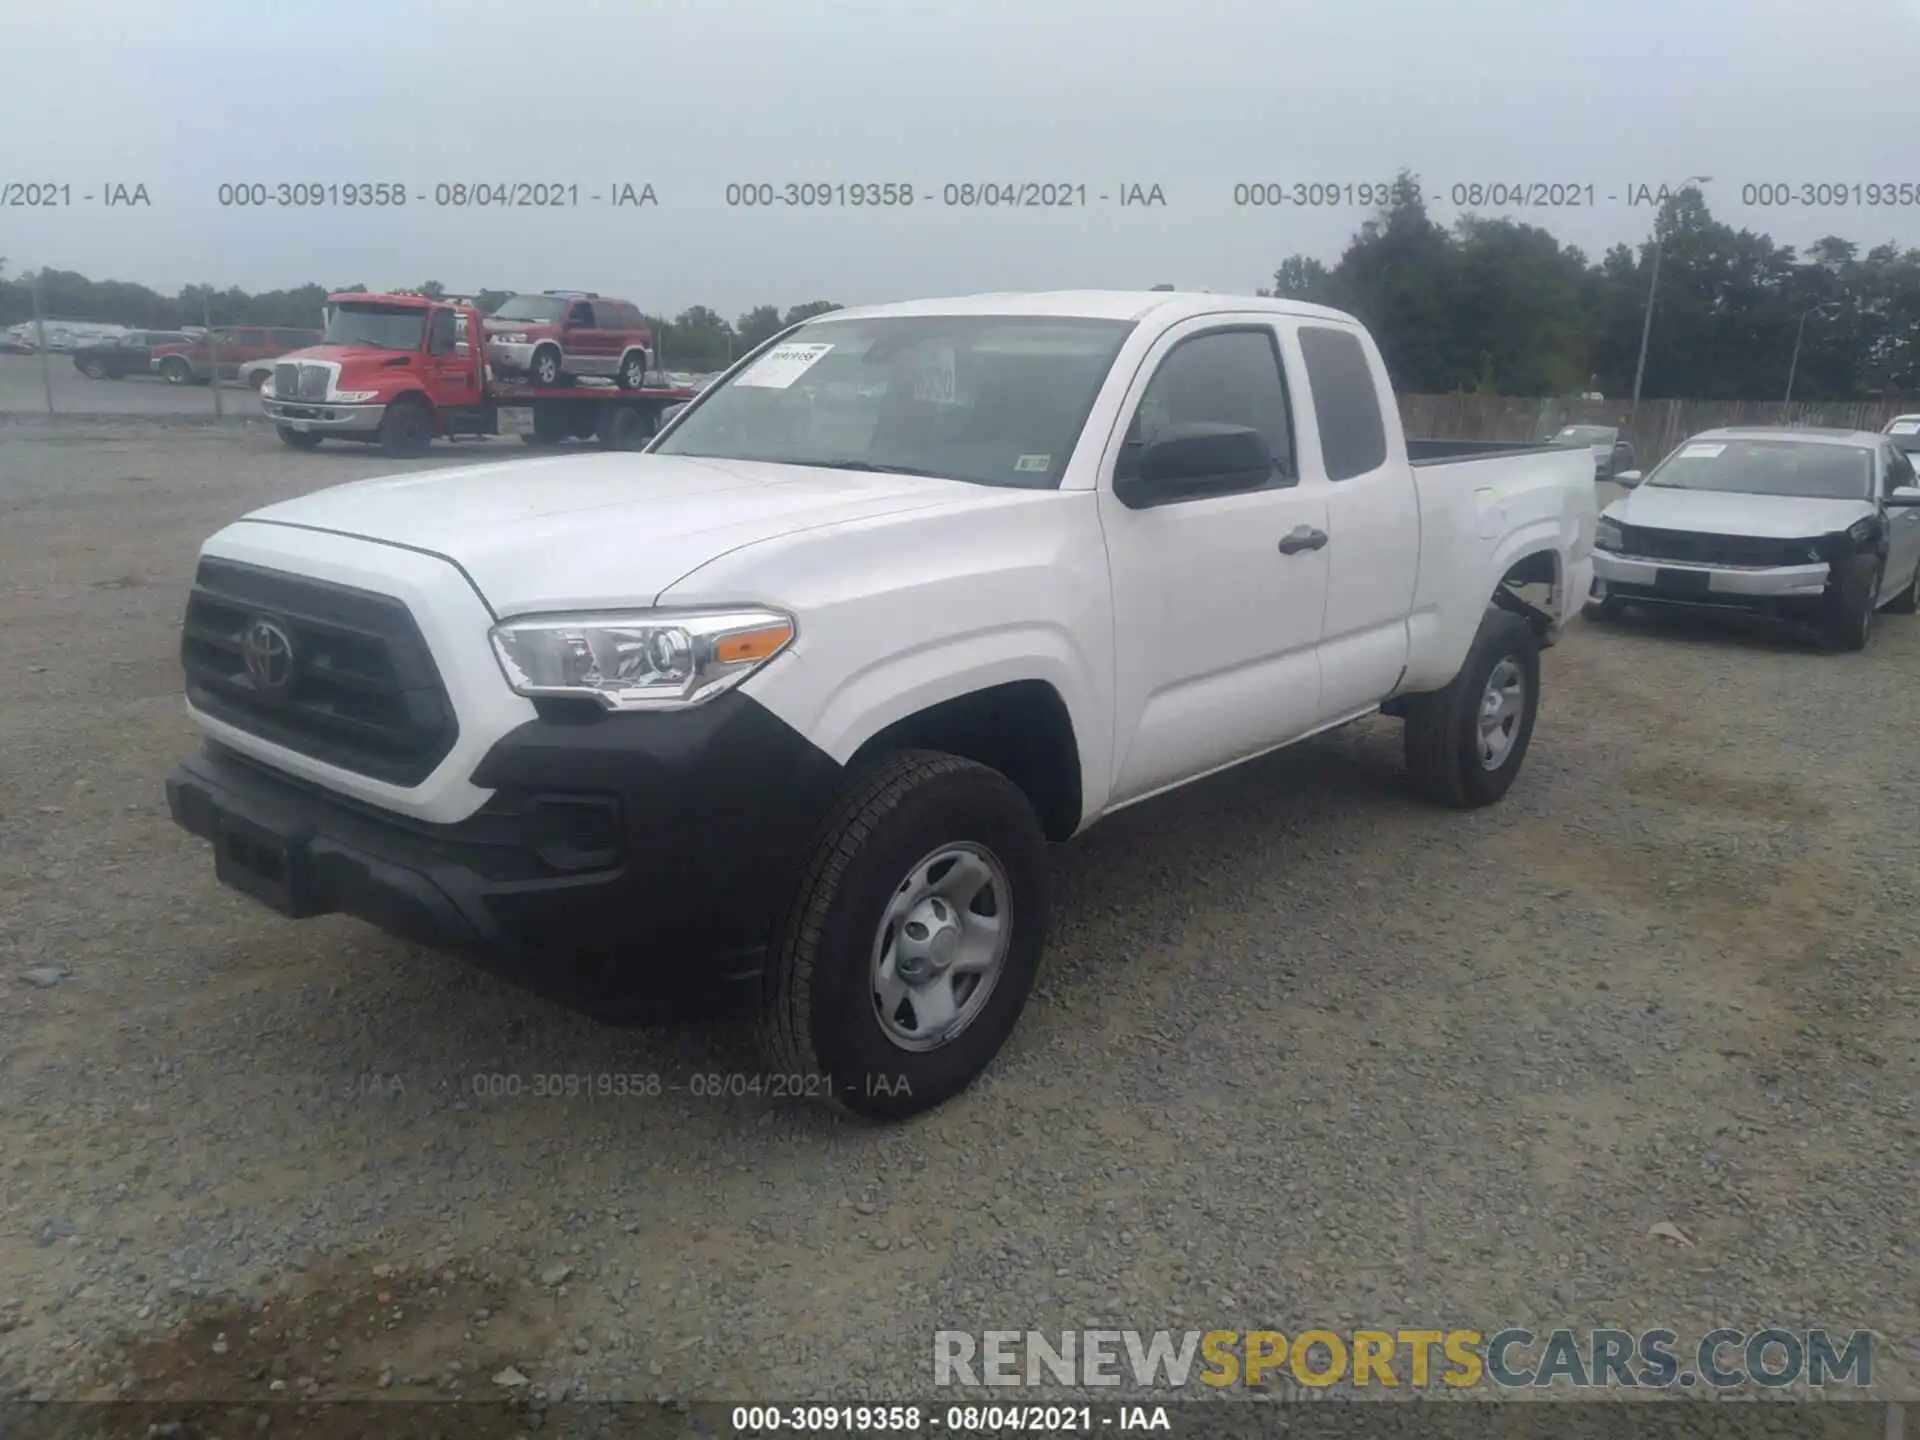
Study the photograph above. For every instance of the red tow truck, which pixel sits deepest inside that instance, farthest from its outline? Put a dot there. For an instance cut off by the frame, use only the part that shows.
(397, 370)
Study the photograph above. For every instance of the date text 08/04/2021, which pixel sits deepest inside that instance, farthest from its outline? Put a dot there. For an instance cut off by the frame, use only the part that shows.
(1006, 1419)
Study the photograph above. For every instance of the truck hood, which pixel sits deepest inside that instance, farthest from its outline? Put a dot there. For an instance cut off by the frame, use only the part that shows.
(600, 531)
(1710, 512)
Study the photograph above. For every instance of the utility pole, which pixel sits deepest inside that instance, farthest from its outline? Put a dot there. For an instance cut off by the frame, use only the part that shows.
(1653, 286)
(213, 352)
(40, 337)
(1793, 365)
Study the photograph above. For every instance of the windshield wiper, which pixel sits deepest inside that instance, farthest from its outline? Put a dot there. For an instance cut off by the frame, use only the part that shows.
(867, 467)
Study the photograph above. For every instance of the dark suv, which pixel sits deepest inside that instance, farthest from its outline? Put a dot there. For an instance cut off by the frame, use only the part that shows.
(127, 354)
(558, 335)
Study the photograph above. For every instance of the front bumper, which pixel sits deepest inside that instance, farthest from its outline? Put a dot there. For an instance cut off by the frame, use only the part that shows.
(516, 358)
(323, 417)
(1676, 582)
(653, 853)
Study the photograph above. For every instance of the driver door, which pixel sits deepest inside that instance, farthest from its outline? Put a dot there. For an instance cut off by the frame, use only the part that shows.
(1903, 522)
(1217, 621)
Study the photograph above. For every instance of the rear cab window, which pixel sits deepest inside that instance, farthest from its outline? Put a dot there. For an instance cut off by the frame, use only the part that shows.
(1346, 402)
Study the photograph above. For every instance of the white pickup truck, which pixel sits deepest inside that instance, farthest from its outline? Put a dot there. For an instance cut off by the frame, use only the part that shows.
(791, 702)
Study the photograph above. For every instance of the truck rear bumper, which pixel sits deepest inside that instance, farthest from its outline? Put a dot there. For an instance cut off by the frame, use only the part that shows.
(1630, 577)
(322, 418)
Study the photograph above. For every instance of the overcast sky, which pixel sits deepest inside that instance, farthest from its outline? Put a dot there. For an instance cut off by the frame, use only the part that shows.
(1194, 96)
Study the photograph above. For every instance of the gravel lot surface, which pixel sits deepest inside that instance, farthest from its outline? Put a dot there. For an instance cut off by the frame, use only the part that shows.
(1304, 1052)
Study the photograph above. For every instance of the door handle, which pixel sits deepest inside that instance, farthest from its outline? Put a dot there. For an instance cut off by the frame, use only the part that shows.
(1303, 537)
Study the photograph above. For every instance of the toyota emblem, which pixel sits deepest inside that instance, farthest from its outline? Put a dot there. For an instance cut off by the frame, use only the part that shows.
(268, 651)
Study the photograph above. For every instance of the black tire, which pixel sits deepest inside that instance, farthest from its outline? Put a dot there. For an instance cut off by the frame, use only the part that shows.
(259, 379)
(1908, 600)
(544, 369)
(633, 372)
(93, 370)
(622, 427)
(1606, 610)
(817, 1011)
(407, 429)
(1850, 605)
(551, 424)
(1443, 743)
(297, 439)
(176, 370)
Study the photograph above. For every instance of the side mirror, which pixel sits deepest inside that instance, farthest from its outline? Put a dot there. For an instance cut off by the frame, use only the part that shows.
(1195, 458)
(1627, 479)
(1904, 495)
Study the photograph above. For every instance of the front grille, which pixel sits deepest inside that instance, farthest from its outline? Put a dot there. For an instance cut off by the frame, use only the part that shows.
(363, 693)
(300, 382)
(1740, 551)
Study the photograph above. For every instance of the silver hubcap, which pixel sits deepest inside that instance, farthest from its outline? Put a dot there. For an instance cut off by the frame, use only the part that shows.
(1503, 705)
(941, 946)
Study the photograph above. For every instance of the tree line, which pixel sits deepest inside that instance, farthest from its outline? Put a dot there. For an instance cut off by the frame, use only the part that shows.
(1492, 306)
(1499, 307)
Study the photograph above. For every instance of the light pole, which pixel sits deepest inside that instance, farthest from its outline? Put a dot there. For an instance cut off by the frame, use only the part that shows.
(1653, 286)
(1793, 365)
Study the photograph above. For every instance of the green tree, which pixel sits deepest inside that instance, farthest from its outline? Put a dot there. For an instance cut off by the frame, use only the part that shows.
(758, 325)
(808, 311)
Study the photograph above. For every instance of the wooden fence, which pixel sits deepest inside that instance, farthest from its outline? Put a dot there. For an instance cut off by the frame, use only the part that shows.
(1659, 426)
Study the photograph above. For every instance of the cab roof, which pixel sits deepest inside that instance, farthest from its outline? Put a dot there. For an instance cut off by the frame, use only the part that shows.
(1094, 305)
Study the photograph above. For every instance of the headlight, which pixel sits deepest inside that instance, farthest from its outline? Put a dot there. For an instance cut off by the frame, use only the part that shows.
(266, 388)
(353, 397)
(514, 339)
(1608, 536)
(648, 660)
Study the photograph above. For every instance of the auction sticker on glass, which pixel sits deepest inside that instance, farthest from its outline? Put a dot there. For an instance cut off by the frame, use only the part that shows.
(782, 365)
(1701, 452)
(1904, 427)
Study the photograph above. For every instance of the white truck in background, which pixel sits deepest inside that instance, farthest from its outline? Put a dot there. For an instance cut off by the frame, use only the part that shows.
(790, 703)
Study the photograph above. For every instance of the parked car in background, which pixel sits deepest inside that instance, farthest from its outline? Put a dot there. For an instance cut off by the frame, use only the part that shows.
(227, 349)
(1904, 431)
(130, 353)
(1800, 524)
(17, 340)
(1611, 454)
(559, 335)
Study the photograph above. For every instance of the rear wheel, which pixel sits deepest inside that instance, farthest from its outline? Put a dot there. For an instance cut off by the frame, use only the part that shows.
(175, 371)
(914, 938)
(298, 439)
(406, 429)
(633, 372)
(1465, 744)
(624, 428)
(93, 370)
(545, 369)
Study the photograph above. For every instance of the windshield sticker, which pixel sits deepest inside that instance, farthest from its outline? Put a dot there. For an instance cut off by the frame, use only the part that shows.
(1904, 427)
(1701, 452)
(782, 365)
(1034, 464)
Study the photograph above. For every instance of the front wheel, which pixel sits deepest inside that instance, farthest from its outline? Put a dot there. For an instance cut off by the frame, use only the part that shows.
(406, 429)
(175, 371)
(93, 370)
(297, 439)
(1851, 605)
(914, 937)
(545, 370)
(1465, 744)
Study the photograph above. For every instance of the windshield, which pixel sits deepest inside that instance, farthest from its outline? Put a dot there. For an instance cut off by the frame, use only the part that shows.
(540, 309)
(383, 327)
(1585, 435)
(1769, 467)
(993, 400)
(1905, 432)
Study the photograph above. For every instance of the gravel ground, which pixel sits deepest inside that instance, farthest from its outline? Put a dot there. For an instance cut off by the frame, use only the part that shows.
(1305, 1052)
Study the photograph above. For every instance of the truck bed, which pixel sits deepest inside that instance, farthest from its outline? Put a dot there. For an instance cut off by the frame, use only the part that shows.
(1444, 452)
(528, 395)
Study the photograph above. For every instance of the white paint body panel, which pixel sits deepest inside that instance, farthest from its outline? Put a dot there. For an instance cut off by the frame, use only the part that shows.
(1179, 638)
